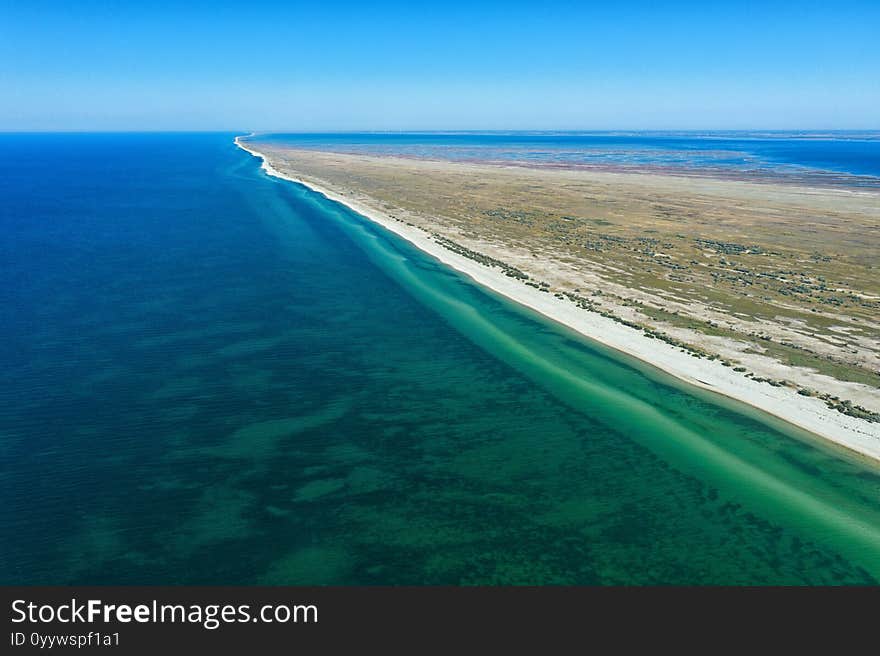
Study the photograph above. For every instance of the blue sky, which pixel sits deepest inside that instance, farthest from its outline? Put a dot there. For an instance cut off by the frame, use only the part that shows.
(82, 65)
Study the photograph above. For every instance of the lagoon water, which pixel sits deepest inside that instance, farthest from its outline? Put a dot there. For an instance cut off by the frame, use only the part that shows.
(847, 158)
(213, 376)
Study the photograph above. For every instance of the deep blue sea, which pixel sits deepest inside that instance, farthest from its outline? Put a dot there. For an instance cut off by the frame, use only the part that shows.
(208, 375)
(841, 157)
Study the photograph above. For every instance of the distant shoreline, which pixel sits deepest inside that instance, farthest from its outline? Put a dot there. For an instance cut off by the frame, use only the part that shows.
(836, 181)
(810, 414)
(763, 170)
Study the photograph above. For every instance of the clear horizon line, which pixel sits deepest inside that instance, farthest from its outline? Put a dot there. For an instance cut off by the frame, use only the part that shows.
(415, 130)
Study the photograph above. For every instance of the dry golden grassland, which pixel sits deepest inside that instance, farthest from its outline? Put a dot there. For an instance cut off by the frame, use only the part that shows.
(756, 274)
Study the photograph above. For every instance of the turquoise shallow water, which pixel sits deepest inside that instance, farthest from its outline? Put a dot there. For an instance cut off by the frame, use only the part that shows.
(212, 376)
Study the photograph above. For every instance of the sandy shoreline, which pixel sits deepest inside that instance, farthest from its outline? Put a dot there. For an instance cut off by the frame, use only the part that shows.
(808, 413)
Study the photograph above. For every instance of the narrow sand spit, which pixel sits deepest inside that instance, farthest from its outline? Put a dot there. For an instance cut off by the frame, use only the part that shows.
(808, 413)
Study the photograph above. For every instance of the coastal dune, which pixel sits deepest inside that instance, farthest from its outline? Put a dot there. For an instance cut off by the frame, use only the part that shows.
(807, 412)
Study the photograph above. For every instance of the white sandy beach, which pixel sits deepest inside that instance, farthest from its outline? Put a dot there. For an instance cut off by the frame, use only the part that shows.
(808, 413)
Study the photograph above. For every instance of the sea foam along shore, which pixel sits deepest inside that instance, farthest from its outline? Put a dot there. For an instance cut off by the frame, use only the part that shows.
(808, 413)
